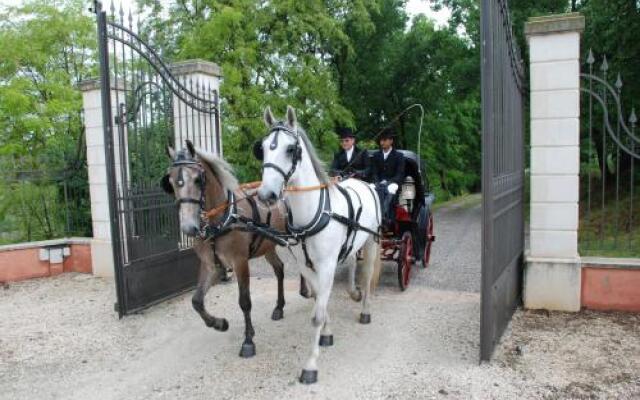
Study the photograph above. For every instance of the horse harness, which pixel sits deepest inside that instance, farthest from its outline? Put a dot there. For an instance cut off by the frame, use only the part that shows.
(227, 222)
(323, 214)
(294, 150)
(261, 230)
(232, 220)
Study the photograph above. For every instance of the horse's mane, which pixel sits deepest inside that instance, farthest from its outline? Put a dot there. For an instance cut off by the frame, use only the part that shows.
(318, 165)
(220, 168)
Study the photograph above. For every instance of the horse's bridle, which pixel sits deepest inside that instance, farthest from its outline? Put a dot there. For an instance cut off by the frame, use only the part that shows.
(295, 150)
(180, 182)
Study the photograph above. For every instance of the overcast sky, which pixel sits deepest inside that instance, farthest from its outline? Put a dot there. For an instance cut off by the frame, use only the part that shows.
(414, 7)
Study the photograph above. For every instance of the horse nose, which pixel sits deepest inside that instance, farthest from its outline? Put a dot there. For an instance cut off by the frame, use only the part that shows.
(265, 194)
(190, 229)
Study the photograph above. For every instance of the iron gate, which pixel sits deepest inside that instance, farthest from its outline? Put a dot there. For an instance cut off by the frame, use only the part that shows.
(146, 107)
(502, 174)
(608, 167)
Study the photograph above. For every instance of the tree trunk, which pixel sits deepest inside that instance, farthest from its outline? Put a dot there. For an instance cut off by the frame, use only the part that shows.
(443, 182)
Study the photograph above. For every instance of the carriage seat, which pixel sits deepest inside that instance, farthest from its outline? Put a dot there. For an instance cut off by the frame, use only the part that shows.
(412, 192)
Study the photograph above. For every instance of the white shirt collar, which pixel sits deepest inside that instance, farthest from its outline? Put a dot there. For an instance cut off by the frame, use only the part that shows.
(349, 153)
(386, 153)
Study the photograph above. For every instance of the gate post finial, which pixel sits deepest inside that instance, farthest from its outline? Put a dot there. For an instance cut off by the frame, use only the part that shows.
(619, 82)
(605, 65)
(97, 7)
(590, 58)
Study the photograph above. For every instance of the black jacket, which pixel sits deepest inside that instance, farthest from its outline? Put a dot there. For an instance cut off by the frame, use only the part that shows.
(391, 169)
(358, 165)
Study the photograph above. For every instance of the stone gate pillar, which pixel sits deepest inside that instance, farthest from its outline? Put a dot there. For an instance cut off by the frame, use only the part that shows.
(203, 79)
(552, 276)
(101, 244)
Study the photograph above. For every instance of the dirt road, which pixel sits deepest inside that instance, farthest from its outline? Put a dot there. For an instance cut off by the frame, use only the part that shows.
(60, 339)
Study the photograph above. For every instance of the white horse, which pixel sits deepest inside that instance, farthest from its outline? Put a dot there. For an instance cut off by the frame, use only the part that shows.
(333, 221)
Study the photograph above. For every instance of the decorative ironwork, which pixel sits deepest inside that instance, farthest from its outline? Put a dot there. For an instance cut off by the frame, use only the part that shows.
(608, 172)
(503, 93)
(153, 108)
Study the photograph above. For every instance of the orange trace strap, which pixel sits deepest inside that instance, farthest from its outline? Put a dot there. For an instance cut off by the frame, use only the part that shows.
(250, 185)
(254, 185)
(217, 210)
(305, 188)
(334, 180)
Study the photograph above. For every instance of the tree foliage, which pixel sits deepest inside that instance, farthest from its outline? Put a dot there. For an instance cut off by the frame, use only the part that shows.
(393, 68)
(359, 63)
(46, 51)
(339, 63)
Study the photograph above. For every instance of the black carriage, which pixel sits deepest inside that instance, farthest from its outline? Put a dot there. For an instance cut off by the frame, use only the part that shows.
(410, 237)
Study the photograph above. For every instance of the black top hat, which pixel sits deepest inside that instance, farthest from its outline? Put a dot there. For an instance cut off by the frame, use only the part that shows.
(345, 132)
(387, 133)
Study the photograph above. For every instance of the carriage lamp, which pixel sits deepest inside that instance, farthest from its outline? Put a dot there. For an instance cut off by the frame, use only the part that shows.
(408, 194)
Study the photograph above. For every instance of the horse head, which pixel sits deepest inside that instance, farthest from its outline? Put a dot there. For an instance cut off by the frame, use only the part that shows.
(185, 180)
(280, 152)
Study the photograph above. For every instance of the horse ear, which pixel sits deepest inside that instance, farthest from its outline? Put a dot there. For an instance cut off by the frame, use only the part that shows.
(170, 152)
(269, 119)
(166, 185)
(190, 147)
(291, 116)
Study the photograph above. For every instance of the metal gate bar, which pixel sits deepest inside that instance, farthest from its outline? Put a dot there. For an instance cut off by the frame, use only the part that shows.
(502, 174)
(153, 260)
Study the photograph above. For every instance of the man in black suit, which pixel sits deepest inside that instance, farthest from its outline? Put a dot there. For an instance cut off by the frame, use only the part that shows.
(387, 172)
(350, 161)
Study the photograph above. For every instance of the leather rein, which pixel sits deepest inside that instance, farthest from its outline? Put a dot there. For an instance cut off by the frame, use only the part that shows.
(323, 214)
(228, 209)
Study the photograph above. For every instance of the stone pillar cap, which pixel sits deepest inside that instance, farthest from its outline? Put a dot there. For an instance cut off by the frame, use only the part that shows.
(556, 23)
(88, 85)
(196, 66)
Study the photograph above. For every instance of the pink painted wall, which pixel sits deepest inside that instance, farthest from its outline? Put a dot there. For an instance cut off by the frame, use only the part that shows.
(17, 265)
(24, 263)
(610, 288)
(80, 259)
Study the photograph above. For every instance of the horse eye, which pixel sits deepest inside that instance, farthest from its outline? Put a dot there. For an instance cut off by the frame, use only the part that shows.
(198, 181)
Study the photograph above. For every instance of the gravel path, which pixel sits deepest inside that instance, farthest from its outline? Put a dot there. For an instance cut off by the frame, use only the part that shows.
(59, 339)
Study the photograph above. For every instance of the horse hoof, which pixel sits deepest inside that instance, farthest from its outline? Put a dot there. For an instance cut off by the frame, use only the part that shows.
(326, 340)
(356, 296)
(365, 318)
(277, 314)
(222, 326)
(219, 324)
(247, 350)
(308, 377)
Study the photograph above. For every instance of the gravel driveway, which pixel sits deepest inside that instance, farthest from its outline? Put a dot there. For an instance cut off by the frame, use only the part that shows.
(60, 339)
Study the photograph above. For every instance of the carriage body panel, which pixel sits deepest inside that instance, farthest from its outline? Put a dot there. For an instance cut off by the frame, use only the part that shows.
(410, 238)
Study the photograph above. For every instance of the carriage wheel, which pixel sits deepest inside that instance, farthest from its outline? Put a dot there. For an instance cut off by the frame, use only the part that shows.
(405, 259)
(426, 255)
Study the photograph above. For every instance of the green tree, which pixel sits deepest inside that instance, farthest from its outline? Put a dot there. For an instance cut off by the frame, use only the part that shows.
(46, 50)
(391, 68)
(274, 53)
